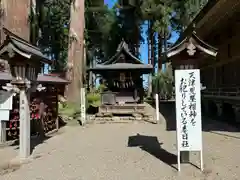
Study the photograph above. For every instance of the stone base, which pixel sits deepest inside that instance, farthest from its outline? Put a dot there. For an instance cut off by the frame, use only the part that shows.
(120, 119)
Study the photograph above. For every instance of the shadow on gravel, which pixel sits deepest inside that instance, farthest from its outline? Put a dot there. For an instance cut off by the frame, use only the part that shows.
(151, 145)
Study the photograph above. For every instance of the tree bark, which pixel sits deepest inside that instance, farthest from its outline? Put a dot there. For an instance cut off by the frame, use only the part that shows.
(165, 38)
(16, 16)
(75, 52)
(152, 44)
(150, 55)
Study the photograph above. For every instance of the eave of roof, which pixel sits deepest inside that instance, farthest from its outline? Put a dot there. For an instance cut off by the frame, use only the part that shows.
(122, 66)
(196, 42)
(22, 47)
(42, 78)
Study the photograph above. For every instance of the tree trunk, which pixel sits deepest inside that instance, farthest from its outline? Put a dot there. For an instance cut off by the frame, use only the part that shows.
(33, 24)
(152, 44)
(165, 46)
(159, 52)
(150, 55)
(16, 16)
(75, 52)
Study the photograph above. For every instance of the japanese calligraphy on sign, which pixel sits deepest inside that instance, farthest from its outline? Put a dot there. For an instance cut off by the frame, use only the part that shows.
(188, 110)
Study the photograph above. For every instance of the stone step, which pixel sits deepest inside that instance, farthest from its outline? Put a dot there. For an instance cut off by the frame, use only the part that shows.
(115, 119)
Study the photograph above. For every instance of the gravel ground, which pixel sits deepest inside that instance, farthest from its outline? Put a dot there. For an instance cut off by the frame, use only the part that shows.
(139, 151)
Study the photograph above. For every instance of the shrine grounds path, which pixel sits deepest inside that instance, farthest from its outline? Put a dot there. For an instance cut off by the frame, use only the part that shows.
(132, 151)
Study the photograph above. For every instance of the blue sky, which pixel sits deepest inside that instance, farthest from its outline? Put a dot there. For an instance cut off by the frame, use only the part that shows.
(144, 46)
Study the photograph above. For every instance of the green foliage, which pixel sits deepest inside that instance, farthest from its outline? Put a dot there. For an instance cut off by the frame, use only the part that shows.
(185, 12)
(69, 110)
(105, 28)
(55, 31)
(163, 84)
(93, 99)
(49, 29)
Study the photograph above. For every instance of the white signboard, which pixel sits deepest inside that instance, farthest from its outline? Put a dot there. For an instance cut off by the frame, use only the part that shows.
(4, 115)
(188, 110)
(5, 100)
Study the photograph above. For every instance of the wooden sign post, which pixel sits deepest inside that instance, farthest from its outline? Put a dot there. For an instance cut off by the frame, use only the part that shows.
(157, 108)
(188, 112)
(83, 106)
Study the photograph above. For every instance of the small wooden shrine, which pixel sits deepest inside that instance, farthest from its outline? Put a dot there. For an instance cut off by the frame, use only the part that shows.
(123, 78)
(51, 87)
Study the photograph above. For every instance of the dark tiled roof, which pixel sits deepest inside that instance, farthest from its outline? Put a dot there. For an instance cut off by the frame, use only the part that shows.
(24, 46)
(123, 47)
(5, 76)
(123, 66)
(196, 41)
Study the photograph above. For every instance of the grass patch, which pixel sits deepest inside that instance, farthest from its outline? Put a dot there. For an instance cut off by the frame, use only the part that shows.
(93, 99)
(69, 109)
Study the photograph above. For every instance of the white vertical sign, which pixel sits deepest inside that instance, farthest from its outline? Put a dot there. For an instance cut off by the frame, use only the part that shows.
(188, 111)
(83, 106)
(157, 107)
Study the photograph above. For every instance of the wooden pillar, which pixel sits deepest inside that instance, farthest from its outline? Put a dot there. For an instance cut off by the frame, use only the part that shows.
(57, 120)
(214, 77)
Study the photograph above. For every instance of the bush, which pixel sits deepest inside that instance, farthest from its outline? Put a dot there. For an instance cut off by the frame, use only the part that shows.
(93, 99)
(69, 109)
(163, 85)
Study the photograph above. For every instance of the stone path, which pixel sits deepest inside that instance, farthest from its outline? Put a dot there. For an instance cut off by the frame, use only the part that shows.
(102, 152)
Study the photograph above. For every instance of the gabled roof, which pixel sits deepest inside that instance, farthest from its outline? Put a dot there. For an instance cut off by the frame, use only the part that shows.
(20, 46)
(123, 48)
(113, 65)
(191, 44)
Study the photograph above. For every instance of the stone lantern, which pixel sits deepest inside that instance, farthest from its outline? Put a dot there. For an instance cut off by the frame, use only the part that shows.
(25, 61)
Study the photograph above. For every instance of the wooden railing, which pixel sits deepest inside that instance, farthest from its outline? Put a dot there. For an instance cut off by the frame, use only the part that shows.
(223, 91)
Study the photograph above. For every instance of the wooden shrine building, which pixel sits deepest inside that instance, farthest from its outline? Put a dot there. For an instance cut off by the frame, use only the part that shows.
(218, 24)
(51, 87)
(123, 78)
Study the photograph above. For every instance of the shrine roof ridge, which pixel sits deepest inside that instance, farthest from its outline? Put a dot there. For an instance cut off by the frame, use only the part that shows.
(123, 46)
